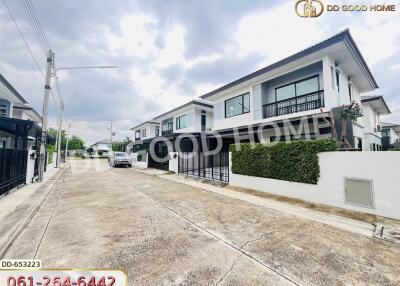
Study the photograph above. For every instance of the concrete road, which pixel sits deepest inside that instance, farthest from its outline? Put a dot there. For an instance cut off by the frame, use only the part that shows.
(164, 233)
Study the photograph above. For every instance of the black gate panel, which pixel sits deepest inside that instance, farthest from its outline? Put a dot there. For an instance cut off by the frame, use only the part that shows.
(212, 167)
(13, 164)
(160, 152)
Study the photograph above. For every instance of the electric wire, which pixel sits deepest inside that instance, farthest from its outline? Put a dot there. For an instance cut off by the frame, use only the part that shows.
(34, 26)
(19, 31)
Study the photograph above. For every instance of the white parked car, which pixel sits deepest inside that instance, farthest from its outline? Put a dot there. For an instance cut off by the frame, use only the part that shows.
(120, 159)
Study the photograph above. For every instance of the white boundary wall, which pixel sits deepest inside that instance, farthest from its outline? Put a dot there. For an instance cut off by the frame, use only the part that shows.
(173, 162)
(383, 168)
(137, 163)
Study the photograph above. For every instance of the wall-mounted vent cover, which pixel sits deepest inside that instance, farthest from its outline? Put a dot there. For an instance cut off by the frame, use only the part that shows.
(359, 192)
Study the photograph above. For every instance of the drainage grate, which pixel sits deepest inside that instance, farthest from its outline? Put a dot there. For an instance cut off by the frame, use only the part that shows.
(387, 233)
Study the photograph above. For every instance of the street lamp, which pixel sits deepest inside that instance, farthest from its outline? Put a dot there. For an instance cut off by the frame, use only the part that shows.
(62, 106)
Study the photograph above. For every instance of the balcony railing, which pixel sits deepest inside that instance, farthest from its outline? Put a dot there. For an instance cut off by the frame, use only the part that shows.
(309, 101)
(167, 132)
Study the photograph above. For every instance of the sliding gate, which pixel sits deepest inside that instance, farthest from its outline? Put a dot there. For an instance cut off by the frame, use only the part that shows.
(212, 167)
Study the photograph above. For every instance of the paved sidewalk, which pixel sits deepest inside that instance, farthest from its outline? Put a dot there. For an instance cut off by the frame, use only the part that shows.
(341, 222)
(18, 206)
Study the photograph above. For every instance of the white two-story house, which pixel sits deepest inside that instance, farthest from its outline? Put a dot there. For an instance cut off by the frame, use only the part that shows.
(302, 86)
(195, 116)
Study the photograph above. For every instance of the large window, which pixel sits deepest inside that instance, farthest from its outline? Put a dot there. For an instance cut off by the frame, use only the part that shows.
(182, 122)
(237, 105)
(167, 125)
(137, 134)
(298, 88)
(144, 133)
(3, 110)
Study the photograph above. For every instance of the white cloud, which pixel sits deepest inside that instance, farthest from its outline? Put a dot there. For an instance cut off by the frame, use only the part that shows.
(173, 50)
(277, 33)
(137, 37)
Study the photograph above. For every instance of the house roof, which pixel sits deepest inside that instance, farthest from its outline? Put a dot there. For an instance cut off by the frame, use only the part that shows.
(27, 107)
(343, 36)
(377, 102)
(104, 141)
(198, 102)
(394, 126)
(146, 122)
(11, 88)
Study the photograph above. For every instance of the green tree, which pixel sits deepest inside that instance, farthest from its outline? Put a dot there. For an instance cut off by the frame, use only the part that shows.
(76, 143)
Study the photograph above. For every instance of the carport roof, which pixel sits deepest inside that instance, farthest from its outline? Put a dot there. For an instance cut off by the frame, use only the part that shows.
(12, 126)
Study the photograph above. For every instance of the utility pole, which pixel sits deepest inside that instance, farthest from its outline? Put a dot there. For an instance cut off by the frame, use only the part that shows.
(45, 114)
(59, 134)
(66, 145)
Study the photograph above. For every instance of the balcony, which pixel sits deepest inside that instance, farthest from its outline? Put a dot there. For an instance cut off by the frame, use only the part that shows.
(305, 102)
(167, 132)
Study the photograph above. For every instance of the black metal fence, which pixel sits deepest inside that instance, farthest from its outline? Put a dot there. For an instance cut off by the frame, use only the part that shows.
(13, 163)
(310, 101)
(212, 167)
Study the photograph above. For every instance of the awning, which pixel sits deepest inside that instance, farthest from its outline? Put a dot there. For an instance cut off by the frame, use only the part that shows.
(19, 127)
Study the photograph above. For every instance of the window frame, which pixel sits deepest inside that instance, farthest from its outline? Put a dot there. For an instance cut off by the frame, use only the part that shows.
(5, 110)
(240, 95)
(144, 132)
(178, 122)
(295, 89)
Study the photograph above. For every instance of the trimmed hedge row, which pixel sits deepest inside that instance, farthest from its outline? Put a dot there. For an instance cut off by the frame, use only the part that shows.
(295, 161)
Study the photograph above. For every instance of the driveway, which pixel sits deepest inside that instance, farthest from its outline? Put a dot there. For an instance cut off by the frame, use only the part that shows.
(165, 233)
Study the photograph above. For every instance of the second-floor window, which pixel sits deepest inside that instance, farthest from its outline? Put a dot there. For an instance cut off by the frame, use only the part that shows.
(137, 134)
(157, 131)
(167, 126)
(3, 110)
(237, 105)
(182, 122)
(144, 133)
(298, 88)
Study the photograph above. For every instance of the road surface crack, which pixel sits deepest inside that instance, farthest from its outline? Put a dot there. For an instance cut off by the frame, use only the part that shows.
(227, 272)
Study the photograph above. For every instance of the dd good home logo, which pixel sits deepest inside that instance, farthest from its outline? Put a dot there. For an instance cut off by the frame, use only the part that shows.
(309, 8)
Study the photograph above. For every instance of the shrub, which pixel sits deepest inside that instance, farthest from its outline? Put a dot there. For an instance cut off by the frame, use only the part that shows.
(295, 161)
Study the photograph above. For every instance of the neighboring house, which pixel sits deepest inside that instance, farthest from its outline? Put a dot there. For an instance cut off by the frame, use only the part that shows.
(20, 133)
(195, 116)
(372, 108)
(103, 147)
(390, 135)
(142, 134)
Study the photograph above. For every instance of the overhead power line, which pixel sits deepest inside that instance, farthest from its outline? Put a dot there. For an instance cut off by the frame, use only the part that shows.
(33, 21)
(28, 47)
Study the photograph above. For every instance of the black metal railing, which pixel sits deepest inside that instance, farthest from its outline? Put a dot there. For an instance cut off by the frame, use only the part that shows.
(309, 101)
(212, 167)
(167, 132)
(13, 163)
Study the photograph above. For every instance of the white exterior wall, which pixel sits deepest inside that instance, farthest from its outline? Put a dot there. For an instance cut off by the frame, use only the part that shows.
(332, 98)
(380, 167)
(193, 113)
(173, 162)
(150, 131)
(137, 163)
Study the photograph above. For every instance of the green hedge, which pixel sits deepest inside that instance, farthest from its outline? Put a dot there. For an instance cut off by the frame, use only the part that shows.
(295, 161)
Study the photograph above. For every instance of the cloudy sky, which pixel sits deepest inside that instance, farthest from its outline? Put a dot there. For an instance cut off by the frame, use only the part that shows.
(170, 52)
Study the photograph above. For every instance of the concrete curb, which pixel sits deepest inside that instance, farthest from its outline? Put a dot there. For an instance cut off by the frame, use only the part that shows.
(10, 236)
(343, 223)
